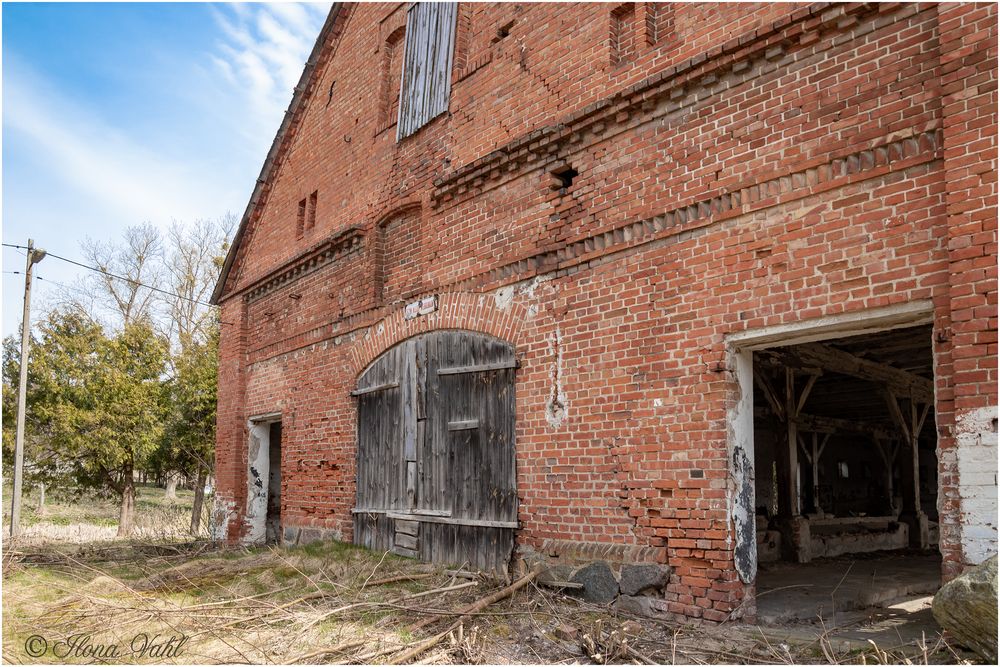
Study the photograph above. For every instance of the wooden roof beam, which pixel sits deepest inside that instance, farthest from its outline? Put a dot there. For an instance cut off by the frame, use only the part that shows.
(901, 383)
(818, 424)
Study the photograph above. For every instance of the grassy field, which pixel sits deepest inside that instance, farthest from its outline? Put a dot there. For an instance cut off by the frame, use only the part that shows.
(66, 518)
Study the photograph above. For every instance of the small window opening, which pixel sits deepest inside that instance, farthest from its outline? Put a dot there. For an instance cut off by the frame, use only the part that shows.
(311, 216)
(562, 177)
(301, 222)
(503, 31)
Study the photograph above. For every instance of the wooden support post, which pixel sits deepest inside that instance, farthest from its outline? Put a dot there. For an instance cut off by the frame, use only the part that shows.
(888, 455)
(910, 513)
(791, 453)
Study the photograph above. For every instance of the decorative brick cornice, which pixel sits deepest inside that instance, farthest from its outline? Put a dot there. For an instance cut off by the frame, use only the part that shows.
(661, 94)
(322, 254)
(883, 156)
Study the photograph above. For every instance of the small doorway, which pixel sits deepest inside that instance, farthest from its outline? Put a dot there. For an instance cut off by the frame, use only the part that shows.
(263, 513)
(273, 517)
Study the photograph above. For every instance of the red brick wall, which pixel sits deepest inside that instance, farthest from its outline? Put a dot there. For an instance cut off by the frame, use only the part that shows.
(758, 165)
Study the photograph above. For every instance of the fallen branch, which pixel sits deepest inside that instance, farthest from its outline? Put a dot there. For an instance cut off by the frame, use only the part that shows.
(408, 655)
(327, 651)
(400, 577)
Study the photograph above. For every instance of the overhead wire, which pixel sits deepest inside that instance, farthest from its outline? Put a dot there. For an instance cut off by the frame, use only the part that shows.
(109, 274)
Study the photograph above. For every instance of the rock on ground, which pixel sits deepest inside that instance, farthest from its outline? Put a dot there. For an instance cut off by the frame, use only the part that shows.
(967, 608)
(643, 576)
(599, 583)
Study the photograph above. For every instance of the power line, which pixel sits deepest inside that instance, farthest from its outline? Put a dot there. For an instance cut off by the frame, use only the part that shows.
(112, 275)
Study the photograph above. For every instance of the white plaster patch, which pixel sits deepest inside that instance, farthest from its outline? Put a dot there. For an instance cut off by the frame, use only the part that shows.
(504, 297)
(976, 445)
(657, 402)
(556, 407)
(258, 472)
(223, 513)
(528, 288)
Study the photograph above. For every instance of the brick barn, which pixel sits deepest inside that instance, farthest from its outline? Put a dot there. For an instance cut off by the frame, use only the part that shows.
(667, 292)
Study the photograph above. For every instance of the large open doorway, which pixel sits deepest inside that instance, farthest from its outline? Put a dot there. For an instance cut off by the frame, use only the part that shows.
(841, 430)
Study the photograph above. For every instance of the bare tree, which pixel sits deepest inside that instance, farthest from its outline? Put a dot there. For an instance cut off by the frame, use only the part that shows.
(138, 258)
(192, 252)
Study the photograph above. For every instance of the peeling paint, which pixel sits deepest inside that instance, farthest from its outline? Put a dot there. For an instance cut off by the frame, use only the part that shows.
(740, 486)
(976, 445)
(258, 470)
(556, 408)
(223, 514)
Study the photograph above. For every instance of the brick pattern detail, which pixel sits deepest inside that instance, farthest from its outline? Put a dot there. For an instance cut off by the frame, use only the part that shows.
(967, 360)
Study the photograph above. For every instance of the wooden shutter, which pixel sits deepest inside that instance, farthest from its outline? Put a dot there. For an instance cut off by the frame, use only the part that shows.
(427, 57)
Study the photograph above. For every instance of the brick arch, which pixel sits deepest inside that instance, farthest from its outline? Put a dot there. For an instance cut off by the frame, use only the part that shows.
(456, 310)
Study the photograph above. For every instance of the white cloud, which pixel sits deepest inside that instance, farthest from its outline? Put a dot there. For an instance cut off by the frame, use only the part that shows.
(81, 150)
(262, 52)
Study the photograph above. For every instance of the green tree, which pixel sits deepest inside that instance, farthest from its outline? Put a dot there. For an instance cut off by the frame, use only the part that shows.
(189, 435)
(100, 400)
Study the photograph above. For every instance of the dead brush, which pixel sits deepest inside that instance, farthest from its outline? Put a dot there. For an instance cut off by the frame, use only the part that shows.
(604, 647)
(470, 647)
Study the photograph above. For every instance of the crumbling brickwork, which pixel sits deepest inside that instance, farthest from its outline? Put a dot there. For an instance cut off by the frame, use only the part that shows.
(736, 167)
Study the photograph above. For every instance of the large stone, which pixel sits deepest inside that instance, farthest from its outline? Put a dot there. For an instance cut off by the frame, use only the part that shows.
(967, 608)
(599, 583)
(643, 576)
(310, 535)
(556, 573)
(638, 605)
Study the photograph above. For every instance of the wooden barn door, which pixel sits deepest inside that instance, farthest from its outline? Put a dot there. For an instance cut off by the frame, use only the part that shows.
(436, 463)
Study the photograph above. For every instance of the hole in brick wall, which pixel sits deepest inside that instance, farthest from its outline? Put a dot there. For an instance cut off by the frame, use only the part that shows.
(562, 177)
(503, 31)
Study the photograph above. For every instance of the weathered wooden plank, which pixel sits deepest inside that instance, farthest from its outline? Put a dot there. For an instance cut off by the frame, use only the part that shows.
(403, 551)
(406, 541)
(419, 512)
(463, 425)
(408, 527)
(457, 521)
(411, 484)
(380, 387)
(478, 368)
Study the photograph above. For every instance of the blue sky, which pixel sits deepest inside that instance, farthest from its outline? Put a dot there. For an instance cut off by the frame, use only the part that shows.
(116, 114)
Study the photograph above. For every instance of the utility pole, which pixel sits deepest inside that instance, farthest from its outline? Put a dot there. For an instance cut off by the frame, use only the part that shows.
(34, 256)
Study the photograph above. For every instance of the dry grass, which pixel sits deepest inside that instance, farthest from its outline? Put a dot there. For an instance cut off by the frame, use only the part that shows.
(66, 519)
(336, 603)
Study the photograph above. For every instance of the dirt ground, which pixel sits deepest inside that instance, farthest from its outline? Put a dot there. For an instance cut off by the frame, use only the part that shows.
(335, 603)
